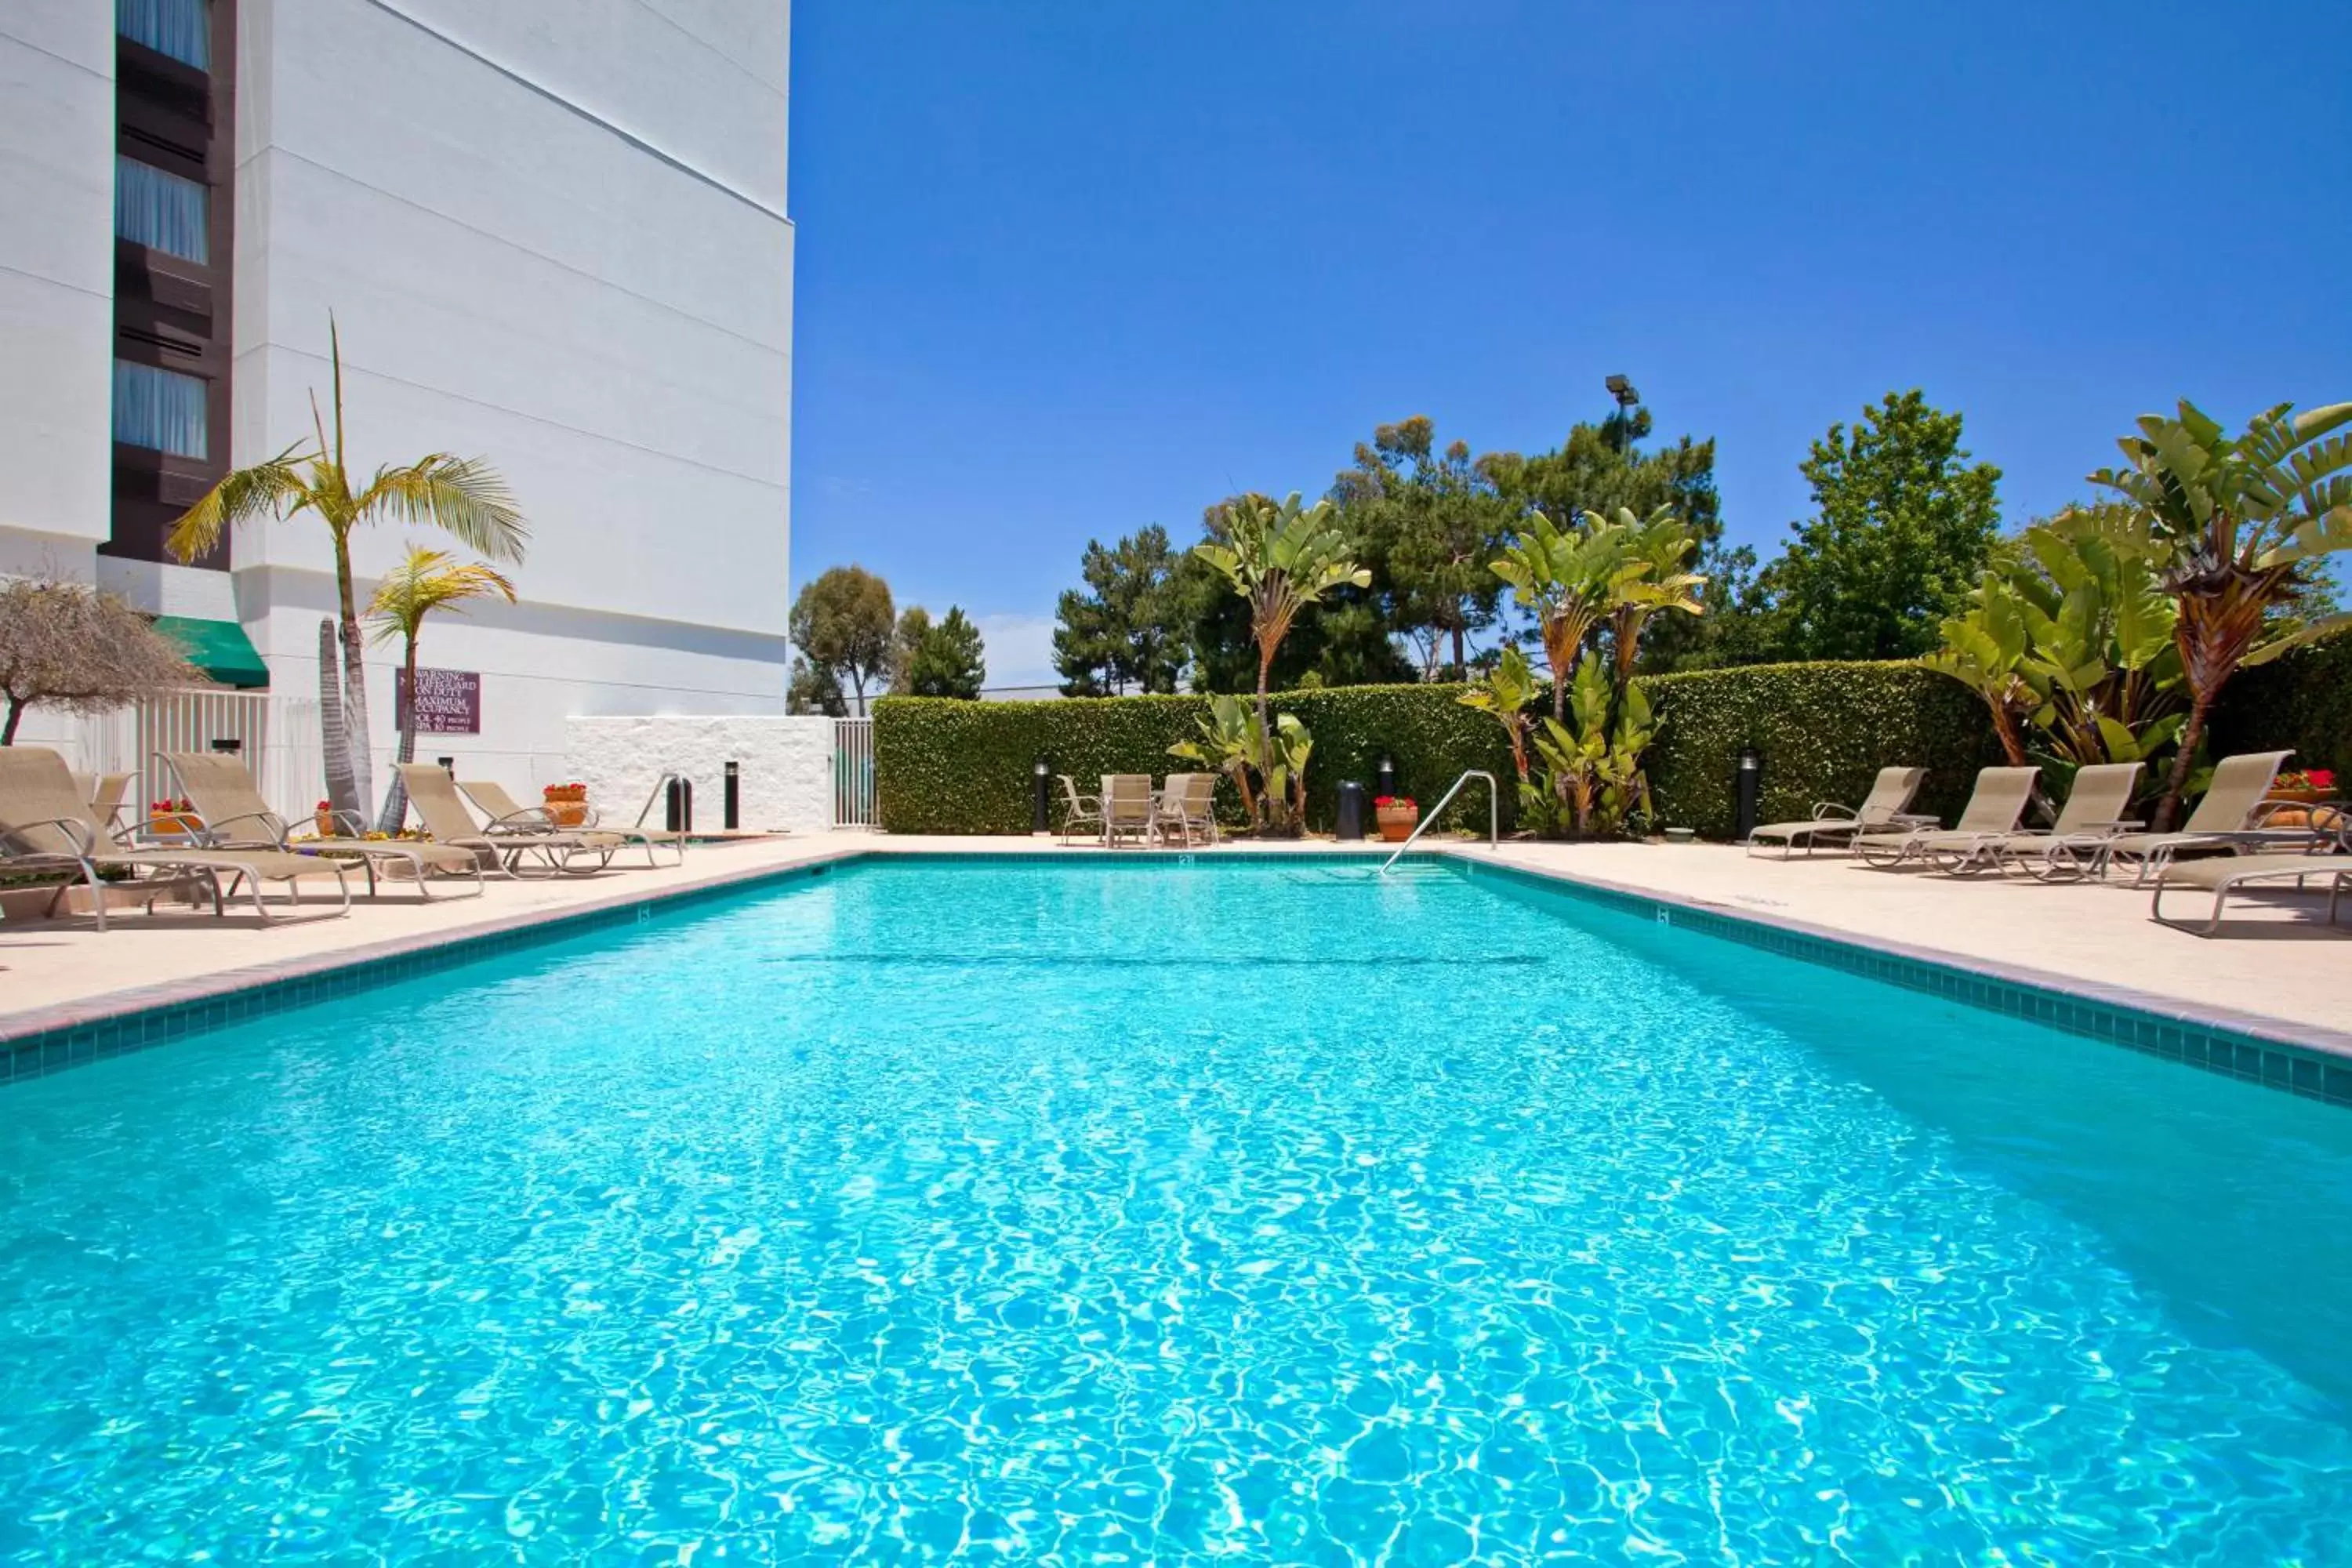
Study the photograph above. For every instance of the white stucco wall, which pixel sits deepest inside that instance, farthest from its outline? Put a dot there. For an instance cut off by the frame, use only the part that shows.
(56, 284)
(786, 763)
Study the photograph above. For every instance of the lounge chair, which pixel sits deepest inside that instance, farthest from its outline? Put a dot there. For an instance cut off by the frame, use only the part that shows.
(237, 817)
(433, 796)
(1079, 811)
(1994, 809)
(1833, 824)
(2223, 875)
(2233, 803)
(1187, 806)
(1126, 806)
(2071, 846)
(45, 824)
(106, 794)
(505, 811)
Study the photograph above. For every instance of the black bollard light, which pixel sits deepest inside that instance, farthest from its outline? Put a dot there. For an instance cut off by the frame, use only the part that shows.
(1747, 785)
(1040, 788)
(681, 805)
(732, 808)
(1384, 778)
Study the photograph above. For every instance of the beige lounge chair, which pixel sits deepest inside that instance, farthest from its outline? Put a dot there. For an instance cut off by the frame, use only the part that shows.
(1833, 824)
(2223, 875)
(433, 796)
(237, 817)
(505, 811)
(1187, 807)
(2233, 803)
(106, 794)
(1126, 806)
(45, 824)
(1994, 809)
(1079, 811)
(2071, 846)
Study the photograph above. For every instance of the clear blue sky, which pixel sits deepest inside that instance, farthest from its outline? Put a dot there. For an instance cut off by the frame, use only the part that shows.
(1067, 268)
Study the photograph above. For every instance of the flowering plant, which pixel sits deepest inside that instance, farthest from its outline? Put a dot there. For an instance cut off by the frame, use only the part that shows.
(2307, 778)
(1404, 802)
(325, 805)
(169, 807)
(565, 792)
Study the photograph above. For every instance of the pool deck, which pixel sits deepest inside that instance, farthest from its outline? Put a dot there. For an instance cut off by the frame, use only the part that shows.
(2276, 971)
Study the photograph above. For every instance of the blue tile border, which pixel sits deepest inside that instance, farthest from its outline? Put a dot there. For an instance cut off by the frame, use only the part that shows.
(2318, 1068)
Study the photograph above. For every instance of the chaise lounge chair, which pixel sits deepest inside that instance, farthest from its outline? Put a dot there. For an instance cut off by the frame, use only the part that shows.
(235, 818)
(1994, 808)
(2233, 803)
(2074, 846)
(1832, 823)
(2221, 875)
(505, 811)
(47, 825)
(433, 796)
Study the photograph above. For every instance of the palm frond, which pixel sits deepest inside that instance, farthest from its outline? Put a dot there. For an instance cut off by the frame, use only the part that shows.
(271, 489)
(464, 497)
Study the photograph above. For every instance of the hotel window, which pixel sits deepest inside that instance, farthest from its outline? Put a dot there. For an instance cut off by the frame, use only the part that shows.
(180, 29)
(156, 208)
(160, 408)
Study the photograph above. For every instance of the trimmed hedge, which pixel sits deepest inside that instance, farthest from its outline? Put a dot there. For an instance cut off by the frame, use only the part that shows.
(948, 767)
(1825, 729)
(2302, 700)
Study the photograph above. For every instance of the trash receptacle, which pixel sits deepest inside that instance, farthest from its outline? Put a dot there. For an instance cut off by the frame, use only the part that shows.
(1351, 824)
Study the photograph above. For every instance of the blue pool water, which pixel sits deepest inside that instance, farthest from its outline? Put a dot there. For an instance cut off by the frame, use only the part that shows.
(1078, 1213)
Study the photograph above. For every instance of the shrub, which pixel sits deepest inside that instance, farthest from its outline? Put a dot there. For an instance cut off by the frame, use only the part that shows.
(1825, 729)
(2302, 700)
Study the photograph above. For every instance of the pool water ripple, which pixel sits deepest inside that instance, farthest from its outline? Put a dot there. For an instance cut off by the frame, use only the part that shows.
(1060, 1215)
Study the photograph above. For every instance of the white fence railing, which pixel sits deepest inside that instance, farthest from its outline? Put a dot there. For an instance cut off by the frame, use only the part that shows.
(852, 773)
(129, 739)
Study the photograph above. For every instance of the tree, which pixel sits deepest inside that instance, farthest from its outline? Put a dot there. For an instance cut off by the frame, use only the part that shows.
(71, 648)
(1566, 579)
(948, 658)
(1428, 522)
(914, 624)
(1127, 628)
(428, 579)
(1654, 578)
(2240, 520)
(815, 690)
(1904, 524)
(843, 624)
(463, 497)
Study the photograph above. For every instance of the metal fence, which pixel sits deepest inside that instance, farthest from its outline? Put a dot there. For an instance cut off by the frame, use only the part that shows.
(129, 740)
(852, 773)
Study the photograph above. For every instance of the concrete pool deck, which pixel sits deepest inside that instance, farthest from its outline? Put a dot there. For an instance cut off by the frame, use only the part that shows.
(2277, 970)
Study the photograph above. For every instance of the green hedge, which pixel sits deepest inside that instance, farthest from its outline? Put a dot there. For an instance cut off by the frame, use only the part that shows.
(1824, 730)
(948, 767)
(2302, 701)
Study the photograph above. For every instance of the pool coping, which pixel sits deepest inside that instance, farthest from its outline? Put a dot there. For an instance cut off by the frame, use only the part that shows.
(2308, 1060)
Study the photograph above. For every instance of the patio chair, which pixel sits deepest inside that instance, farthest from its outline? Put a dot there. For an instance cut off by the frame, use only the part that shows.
(1079, 810)
(106, 793)
(1188, 805)
(2233, 803)
(2324, 854)
(505, 811)
(45, 824)
(1127, 807)
(1889, 797)
(237, 817)
(1994, 809)
(433, 796)
(2071, 847)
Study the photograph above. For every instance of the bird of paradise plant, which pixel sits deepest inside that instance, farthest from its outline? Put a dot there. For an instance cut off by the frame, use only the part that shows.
(428, 579)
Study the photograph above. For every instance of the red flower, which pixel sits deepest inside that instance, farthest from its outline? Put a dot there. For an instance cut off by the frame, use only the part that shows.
(1403, 802)
(2321, 778)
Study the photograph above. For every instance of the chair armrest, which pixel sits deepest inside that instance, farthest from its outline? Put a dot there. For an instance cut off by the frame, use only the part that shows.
(272, 824)
(528, 817)
(1834, 811)
(85, 843)
(2121, 825)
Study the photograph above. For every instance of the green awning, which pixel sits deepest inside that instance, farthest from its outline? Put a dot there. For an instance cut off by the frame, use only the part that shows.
(219, 648)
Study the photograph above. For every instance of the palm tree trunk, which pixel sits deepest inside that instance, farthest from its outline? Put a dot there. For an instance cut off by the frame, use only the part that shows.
(356, 732)
(2176, 782)
(395, 794)
(1265, 726)
(342, 794)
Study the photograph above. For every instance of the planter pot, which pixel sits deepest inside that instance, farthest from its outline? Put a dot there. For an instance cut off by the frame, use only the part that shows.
(1396, 822)
(2300, 796)
(567, 813)
(175, 821)
(324, 822)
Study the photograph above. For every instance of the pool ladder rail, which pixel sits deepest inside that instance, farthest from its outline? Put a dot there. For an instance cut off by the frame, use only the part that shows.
(1494, 814)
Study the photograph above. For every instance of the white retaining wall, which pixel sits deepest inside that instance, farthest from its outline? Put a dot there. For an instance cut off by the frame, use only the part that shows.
(787, 765)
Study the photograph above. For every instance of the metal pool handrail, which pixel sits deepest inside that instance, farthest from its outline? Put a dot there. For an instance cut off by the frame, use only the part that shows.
(654, 795)
(1494, 814)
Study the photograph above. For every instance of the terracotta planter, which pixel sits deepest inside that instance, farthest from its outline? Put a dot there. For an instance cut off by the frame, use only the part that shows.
(1396, 822)
(2306, 796)
(567, 813)
(176, 822)
(324, 822)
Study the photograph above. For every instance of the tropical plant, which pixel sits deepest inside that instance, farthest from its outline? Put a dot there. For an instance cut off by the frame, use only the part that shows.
(1654, 576)
(2100, 660)
(70, 646)
(1592, 766)
(1985, 648)
(428, 579)
(464, 497)
(1565, 579)
(2240, 517)
(1229, 745)
(1506, 691)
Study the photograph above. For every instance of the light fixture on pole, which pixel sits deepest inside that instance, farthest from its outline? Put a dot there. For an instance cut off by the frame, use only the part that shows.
(1623, 391)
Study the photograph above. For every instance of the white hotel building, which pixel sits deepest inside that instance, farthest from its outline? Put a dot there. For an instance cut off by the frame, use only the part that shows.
(552, 234)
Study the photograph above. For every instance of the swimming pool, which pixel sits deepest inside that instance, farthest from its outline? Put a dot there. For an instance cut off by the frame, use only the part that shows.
(1100, 1211)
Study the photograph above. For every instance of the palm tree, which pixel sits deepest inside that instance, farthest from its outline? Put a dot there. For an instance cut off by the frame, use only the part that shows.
(2240, 516)
(464, 497)
(1565, 578)
(427, 581)
(1654, 578)
(1281, 559)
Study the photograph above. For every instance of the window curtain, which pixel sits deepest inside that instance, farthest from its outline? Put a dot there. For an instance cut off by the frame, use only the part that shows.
(159, 408)
(180, 29)
(155, 207)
